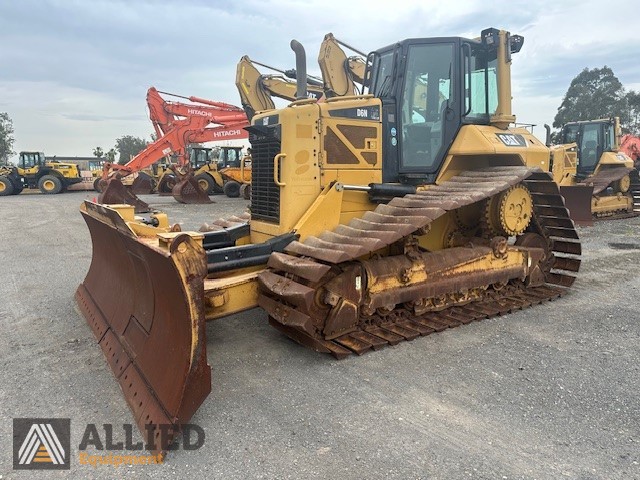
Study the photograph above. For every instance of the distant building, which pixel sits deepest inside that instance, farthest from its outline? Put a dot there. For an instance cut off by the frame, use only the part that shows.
(85, 163)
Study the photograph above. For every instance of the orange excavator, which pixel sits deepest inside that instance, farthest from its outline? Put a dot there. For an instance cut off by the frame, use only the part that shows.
(630, 146)
(177, 125)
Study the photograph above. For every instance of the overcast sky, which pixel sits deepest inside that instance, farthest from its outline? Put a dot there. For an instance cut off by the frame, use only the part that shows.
(75, 72)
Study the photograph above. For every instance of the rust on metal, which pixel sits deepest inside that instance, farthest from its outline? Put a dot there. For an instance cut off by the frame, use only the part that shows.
(605, 177)
(577, 199)
(369, 303)
(115, 193)
(153, 336)
(187, 189)
(143, 184)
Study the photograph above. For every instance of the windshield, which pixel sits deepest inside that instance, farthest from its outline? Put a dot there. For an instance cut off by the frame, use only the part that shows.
(589, 143)
(30, 159)
(480, 82)
(381, 77)
(570, 134)
(609, 137)
(426, 94)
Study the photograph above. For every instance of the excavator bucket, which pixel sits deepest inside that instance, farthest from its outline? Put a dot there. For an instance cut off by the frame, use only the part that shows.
(115, 193)
(143, 299)
(577, 199)
(188, 190)
(143, 184)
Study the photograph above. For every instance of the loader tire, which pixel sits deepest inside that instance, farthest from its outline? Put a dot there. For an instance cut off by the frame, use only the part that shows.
(6, 187)
(17, 185)
(245, 191)
(167, 183)
(96, 185)
(50, 184)
(206, 183)
(232, 189)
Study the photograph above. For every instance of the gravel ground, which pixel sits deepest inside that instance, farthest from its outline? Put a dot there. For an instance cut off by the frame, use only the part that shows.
(548, 392)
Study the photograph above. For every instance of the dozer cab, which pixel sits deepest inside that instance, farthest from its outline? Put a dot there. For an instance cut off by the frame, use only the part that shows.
(597, 179)
(374, 219)
(34, 171)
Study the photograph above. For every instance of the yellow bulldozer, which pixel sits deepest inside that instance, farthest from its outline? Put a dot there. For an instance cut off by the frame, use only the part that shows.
(34, 171)
(375, 218)
(597, 180)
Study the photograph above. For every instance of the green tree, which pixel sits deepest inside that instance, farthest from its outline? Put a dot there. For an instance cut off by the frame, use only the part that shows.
(6, 137)
(98, 152)
(630, 114)
(129, 146)
(592, 94)
(111, 155)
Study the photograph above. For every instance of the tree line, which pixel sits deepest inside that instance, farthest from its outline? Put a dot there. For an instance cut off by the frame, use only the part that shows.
(598, 93)
(126, 147)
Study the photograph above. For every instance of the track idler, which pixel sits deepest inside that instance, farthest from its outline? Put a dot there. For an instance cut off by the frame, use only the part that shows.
(188, 190)
(115, 193)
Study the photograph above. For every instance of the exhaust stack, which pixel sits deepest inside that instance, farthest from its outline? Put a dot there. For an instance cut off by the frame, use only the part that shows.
(301, 69)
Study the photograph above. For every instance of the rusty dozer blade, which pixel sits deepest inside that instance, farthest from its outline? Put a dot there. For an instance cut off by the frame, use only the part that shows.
(116, 193)
(145, 306)
(577, 198)
(188, 190)
(143, 184)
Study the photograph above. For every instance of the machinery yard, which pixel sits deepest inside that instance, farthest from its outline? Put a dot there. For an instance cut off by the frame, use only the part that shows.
(546, 392)
(363, 267)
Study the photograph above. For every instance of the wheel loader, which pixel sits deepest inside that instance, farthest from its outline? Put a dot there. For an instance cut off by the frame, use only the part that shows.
(34, 171)
(597, 179)
(227, 174)
(375, 219)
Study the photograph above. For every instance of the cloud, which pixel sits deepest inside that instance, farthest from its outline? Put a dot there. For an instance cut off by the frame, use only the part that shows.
(85, 65)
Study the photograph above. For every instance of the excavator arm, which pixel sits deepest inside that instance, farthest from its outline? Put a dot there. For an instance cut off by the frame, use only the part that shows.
(177, 125)
(176, 140)
(339, 72)
(257, 89)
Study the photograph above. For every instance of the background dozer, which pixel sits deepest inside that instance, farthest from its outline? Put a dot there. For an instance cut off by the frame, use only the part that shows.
(597, 179)
(34, 171)
(375, 218)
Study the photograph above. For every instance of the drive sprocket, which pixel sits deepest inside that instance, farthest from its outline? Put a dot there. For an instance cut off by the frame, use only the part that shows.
(510, 212)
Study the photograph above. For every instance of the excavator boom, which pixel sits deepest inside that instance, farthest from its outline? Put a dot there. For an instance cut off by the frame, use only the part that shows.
(339, 72)
(178, 124)
(256, 89)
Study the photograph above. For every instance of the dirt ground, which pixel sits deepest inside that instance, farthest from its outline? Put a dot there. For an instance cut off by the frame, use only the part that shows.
(548, 392)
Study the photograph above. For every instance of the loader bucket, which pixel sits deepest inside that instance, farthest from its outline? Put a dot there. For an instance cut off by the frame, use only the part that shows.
(143, 184)
(188, 190)
(116, 193)
(145, 307)
(577, 198)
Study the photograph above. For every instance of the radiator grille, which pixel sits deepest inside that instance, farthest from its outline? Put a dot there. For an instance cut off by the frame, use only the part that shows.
(265, 194)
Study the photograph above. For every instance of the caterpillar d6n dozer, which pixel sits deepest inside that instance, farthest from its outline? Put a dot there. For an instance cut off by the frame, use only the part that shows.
(597, 178)
(374, 219)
